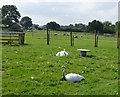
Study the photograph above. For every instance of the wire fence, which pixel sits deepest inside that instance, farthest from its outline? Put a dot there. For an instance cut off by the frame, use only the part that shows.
(64, 38)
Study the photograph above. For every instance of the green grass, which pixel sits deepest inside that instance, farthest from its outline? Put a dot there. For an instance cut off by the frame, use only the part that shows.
(37, 59)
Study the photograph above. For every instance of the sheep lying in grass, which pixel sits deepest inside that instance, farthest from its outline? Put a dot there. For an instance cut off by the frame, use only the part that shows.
(62, 53)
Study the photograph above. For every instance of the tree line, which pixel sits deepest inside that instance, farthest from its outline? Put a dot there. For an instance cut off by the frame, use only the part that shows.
(11, 20)
(101, 27)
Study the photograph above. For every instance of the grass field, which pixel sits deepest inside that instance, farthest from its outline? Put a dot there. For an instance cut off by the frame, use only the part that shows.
(35, 58)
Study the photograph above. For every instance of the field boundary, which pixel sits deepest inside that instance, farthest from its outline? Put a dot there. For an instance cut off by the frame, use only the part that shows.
(12, 37)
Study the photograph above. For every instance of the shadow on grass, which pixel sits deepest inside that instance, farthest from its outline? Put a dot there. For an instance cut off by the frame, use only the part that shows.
(61, 79)
(90, 56)
(19, 44)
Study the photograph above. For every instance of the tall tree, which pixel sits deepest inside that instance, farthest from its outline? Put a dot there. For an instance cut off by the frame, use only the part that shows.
(53, 26)
(26, 22)
(10, 15)
(95, 25)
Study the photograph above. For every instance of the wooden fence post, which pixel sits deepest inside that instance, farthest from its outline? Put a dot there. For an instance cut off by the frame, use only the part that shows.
(117, 28)
(97, 40)
(48, 36)
(97, 37)
(118, 41)
(10, 41)
(21, 38)
(71, 39)
(95, 32)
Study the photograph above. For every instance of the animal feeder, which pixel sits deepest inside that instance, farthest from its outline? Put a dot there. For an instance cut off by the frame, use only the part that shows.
(83, 52)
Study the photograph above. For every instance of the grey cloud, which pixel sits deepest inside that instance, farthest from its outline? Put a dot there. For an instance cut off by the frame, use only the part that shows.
(68, 12)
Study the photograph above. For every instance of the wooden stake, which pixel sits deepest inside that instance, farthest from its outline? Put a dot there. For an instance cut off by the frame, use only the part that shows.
(71, 39)
(95, 38)
(117, 39)
(48, 37)
(21, 38)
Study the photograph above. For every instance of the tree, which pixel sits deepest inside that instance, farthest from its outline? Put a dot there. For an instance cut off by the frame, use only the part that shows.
(71, 26)
(81, 27)
(95, 25)
(53, 26)
(10, 15)
(108, 27)
(26, 22)
(35, 26)
(74, 28)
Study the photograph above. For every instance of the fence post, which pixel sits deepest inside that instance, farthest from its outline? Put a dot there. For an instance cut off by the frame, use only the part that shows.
(118, 39)
(10, 41)
(71, 39)
(96, 38)
(21, 38)
(48, 36)
(117, 28)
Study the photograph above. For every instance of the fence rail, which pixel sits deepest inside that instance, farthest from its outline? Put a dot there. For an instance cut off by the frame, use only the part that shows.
(12, 37)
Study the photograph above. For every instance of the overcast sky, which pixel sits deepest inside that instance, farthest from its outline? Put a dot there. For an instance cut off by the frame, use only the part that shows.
(66, 12)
